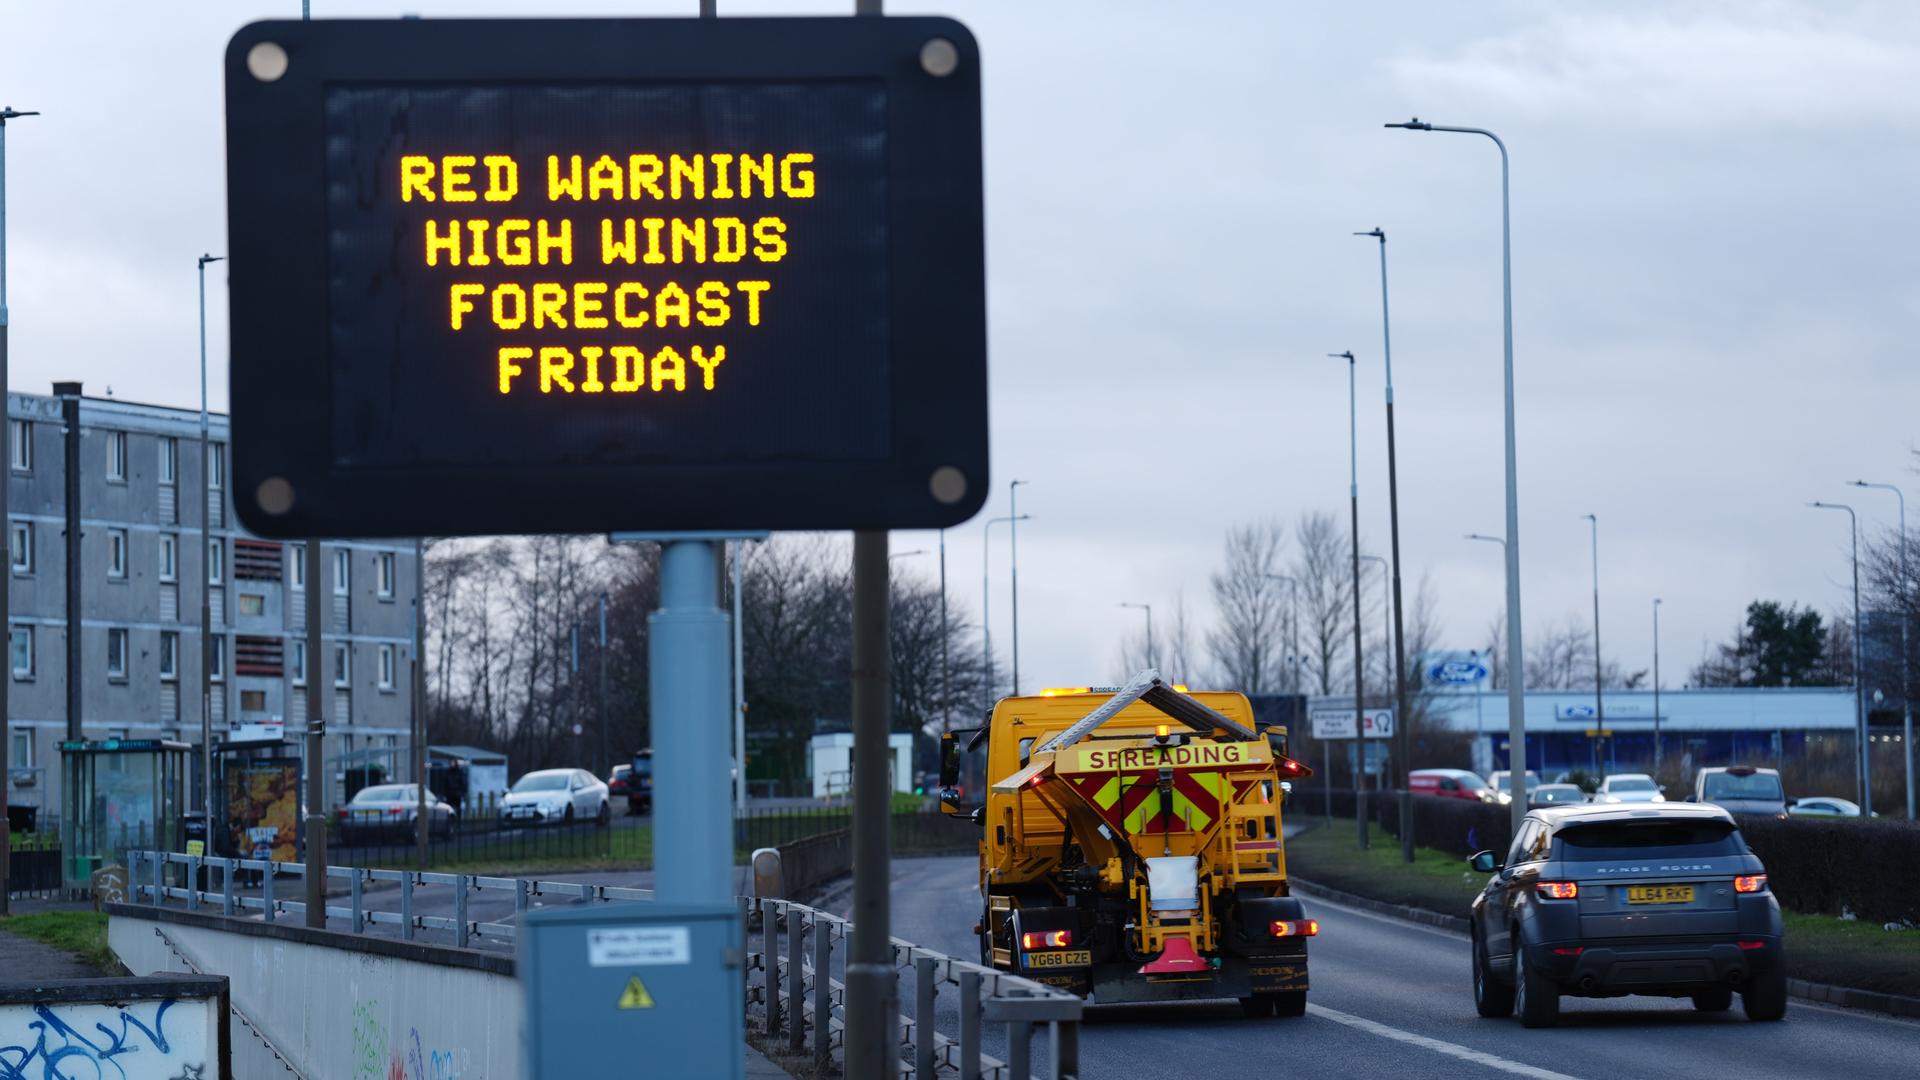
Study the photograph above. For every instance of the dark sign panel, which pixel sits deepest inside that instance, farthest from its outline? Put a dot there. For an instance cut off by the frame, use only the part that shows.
(587, 275)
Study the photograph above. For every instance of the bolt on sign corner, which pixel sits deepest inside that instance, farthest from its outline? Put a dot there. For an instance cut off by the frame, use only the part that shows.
(587, 275)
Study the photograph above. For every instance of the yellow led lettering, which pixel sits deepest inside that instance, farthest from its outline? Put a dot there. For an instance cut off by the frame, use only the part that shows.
(416, 177)
(503, 177)
(591, 354)
(671, 301)
(653, 257)
(549, 300)
(455, 178)
(729, 239)
(458, 302)
(643, 174)
(586, 303)
(511, 244)
(714, 310)
(708, 363)
(694, 172)
(753, 289)
(555, 362)
(632, 317)
(749, 166)
(508, 369)
(503, 296)
(605, 177)
(478, 256)
(561, 241)
(449, 243)
(558, 185)
(769, 245)
(625, 249)
(627, 369)
(669, 367)
(720, 188)
(796, 184)
(694, 236)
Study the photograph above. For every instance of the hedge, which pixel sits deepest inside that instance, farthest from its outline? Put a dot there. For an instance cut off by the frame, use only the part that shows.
(1832, 866)
(1457, 826)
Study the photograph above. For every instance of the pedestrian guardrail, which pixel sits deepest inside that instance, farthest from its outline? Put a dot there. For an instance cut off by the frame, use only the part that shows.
(795, 999)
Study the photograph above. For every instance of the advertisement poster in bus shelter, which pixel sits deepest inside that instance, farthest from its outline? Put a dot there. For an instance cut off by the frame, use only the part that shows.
(263, 809)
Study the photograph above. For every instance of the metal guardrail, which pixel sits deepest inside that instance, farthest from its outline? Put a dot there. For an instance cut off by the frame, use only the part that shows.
(792, 991)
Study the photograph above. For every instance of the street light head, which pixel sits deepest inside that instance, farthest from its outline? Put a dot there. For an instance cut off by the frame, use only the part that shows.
(1347, 356)
(1374, 232)
(1415, 124)
(205, 259)
(8, 112)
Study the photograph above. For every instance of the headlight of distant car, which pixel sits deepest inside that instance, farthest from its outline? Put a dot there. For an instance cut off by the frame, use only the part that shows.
(1504, 797)
(1605, 798)
(1659, 798)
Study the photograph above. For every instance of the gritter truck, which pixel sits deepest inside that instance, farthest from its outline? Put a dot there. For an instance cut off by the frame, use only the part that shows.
(1131, 846)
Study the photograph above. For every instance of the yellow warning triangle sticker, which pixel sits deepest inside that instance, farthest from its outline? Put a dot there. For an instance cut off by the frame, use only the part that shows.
(635, 996)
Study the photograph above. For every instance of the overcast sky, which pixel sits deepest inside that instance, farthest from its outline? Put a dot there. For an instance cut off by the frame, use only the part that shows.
(1715, 282)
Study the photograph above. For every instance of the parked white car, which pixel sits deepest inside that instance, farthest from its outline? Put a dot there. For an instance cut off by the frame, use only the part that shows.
(1824, 806)
(1634, 787)
(556, 796)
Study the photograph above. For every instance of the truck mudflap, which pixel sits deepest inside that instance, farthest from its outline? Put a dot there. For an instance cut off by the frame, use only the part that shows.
(1236, 977)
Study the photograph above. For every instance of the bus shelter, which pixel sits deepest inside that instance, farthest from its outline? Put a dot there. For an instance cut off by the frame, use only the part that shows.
(118, 795)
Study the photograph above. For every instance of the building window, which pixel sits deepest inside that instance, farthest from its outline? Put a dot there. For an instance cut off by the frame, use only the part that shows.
(21, 643)
(297, 566)
(342, 665)
(117, 553)
(22, 439)
(169, 460)
(217, 466)
(217, 658)
(385, 565)
(299, 662)
(22, 750)
(22, 547)
(117, 653)
(117, 456)
(253, 604)
(169, 655)
(169, 557)
(342, 571)
(216, 560)
(253, 701)
(386, 667)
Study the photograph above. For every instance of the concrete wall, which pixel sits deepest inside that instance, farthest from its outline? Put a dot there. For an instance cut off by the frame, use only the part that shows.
(131, 1029)
(337, 1005)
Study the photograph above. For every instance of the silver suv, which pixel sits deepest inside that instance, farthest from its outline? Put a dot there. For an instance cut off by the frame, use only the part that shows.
(1741, 789)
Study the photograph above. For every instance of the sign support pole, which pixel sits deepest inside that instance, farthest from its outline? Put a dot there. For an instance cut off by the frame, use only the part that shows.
(871, 1038)
(687, 658)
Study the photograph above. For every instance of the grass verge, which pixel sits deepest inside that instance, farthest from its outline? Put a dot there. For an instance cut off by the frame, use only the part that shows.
(1820, 948)
(81, 933)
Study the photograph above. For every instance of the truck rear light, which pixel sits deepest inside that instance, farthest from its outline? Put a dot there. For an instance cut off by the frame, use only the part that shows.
(1750, 883)
(1296, 927)
(1557, 890)
(1046, 939)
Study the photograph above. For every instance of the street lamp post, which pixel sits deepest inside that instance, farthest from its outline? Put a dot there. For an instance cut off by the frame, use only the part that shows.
(1359, 650)
(1906, 655)
(1516, 696)
(1013, 544)
(986, 593)
(206, 576)
(1656, 690)
(1148, 608)
(6, 492)
(946, 670)
(1403, 738)
(1516, 700)
(1599, 703)
(1859, 702)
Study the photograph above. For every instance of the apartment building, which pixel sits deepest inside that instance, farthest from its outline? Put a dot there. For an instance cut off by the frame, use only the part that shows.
(144, 526)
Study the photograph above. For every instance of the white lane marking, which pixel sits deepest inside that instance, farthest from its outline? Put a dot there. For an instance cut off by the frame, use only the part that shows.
(1408, 924)
(1438, 1046)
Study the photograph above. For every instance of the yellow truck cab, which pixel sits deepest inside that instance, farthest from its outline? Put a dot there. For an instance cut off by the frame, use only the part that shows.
(1131, 846)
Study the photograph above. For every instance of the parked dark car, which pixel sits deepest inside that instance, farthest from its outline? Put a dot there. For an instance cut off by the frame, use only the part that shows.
(640, 784)
(1555, 795)
(1605, 901)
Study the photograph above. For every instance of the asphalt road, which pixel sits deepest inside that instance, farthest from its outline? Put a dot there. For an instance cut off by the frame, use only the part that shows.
(1393, 999)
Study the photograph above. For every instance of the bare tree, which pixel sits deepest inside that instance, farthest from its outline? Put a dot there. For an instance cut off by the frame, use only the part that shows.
(1172, 651)
(1321, 566)
(1249, 643)
(1561, 658)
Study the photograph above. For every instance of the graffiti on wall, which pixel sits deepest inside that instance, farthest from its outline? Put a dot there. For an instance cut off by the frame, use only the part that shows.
(141, 1040)
(377, 1057)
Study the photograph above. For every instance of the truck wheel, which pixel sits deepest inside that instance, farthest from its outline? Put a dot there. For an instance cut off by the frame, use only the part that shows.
(1535, 997)
(1256, 1006)
(1289, 1003)
(1766, 997)
(1491, 997)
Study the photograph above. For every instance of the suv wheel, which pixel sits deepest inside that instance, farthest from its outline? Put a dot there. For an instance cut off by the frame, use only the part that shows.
(1766, 997)
(1535, 997)
(1491, 997)
(1718, 999)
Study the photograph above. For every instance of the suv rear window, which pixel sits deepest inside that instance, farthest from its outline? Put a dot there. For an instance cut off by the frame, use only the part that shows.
(1637, 839)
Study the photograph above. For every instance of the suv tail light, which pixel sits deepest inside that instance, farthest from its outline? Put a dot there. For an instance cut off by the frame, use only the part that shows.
(1750, 883)
(1046, 939)
(1296, 927)
(1557, 890)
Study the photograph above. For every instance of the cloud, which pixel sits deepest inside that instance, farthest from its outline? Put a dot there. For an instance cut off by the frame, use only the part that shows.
(1716, 66)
